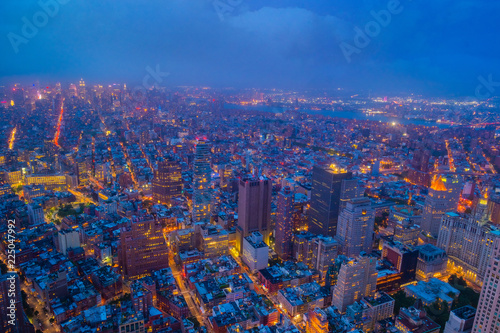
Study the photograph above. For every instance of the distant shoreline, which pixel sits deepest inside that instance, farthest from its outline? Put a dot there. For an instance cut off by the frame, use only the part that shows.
(355, 115)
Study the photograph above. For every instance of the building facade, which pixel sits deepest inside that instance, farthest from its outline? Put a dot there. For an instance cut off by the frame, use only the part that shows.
(326, 197)
(254, 209)
(255, 252)
(468, 243)
(488, 310)
(202, 176)
(355, 227)
(461, 320)
(284, 224)
(357, 278)
(142, 248)
(443, 197)
(167, 182)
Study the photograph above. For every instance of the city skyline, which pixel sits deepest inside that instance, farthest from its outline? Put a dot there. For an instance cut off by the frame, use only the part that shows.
(237, 166)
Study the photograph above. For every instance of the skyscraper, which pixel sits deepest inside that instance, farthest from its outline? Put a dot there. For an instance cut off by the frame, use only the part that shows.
(254, 209)
(355, 227)
(468, 242)
(488, 310)
(350, 189)
(324, 254)
(284, 223)
(357, 278)
(167, 182)
(443, 197)
(82, 92)
(328, 189)
(142, 247)
(201, 182)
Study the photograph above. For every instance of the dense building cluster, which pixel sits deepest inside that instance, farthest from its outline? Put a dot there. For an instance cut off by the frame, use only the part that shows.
(200, 210)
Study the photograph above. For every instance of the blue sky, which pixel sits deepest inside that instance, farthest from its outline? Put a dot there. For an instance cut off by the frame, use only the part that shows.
(432, 47)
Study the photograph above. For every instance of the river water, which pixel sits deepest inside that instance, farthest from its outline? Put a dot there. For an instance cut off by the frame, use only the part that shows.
(340, 114)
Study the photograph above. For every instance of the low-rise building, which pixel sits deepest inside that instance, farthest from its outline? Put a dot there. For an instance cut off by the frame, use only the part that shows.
(255, 252)
(434, 289)
(300, 299)
(461, 320)
(415, 320)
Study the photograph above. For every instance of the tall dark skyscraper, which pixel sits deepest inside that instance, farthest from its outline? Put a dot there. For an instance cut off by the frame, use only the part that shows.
(331, 186)
(167, 182)
(284, 223)
(202, 176)
(254, 209)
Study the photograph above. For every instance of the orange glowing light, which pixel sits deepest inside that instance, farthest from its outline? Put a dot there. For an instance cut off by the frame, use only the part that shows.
(58, 132)
(12, 138)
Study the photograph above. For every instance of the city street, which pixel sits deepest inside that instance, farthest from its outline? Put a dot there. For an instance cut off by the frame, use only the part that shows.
(195, 310)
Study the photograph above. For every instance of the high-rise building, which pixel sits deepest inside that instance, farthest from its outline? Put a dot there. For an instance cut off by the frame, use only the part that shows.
(488, 310)
(376, 168)
(226, 176)
(355, 227)
(403, 257)
(324, 254)
(328, 190)
(202, 176)
(301, 202)
(494, 204)
(82, 92)
(443, 197)
(332, 274)
(468, 241)
(167, 182)
(284, 224)
(254, 209)
(303, 247)
(419, 167)
(357, 278)
(461, 320)
(81, 169)
(142, 247)
(12, 317)
(316, 251)
(407, 232)
(350, 189)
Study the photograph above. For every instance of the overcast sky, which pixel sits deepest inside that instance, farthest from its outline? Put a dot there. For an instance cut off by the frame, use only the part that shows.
(431, 47)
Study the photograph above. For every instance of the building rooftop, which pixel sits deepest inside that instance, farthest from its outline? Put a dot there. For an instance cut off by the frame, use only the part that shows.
(465, 312)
